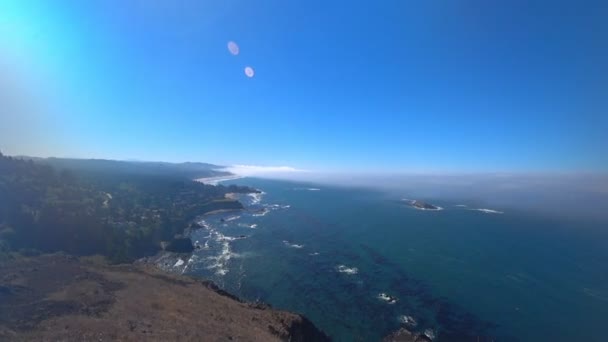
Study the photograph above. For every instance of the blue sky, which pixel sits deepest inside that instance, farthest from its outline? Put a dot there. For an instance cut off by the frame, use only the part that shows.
(347, 85)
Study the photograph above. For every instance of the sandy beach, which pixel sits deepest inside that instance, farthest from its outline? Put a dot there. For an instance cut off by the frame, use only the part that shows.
(217, 179)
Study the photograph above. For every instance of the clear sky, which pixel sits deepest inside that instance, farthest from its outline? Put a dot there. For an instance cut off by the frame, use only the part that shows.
(340, 85)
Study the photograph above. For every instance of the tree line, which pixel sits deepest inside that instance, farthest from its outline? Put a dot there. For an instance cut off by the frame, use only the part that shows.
(123, 216)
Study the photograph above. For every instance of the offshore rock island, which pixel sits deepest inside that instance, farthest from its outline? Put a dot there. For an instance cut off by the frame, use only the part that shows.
(422, 205)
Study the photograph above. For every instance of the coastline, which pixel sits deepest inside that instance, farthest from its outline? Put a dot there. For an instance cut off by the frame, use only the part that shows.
(176, 263)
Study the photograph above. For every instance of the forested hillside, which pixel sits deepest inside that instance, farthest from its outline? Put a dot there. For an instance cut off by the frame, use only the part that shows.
(122, 214)
(92, 167)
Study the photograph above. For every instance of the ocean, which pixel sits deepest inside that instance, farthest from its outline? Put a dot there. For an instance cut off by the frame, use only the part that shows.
(361, 263)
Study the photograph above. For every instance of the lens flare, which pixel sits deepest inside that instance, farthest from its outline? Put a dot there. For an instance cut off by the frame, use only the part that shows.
(233, 48)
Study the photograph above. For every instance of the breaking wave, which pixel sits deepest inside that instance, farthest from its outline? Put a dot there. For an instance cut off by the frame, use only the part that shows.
(407, 320)
(488, 211)
(347, 270)
(292, 245)
(387, 298)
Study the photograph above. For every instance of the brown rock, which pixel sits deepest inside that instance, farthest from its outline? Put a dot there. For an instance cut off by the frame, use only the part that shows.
(404, 335)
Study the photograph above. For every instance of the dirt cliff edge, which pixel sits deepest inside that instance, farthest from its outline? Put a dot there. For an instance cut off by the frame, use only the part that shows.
(59, 297)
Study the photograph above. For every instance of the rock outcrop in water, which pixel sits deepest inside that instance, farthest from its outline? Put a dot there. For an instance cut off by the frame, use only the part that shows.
(404, 335)
(423, 205)
(63, 298)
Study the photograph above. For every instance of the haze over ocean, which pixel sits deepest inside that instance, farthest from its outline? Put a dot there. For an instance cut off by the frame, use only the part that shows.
(329, 252)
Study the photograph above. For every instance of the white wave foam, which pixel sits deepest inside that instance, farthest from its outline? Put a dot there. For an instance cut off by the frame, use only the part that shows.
(313, 254)
(389, 299)
(262, 212)
(256, 197)
(204, 224)
(221, 260)
(292, 245)
(179, 263)
(277, 206)
(190, 261)
(247, 225)
(222, 237)
(307, 189)
(197, 244)
(488, 211)
(268, 208)
(426, 209)
(408, 320)
(430, 334)
(460, 205)
(232, 218)
(347, 270)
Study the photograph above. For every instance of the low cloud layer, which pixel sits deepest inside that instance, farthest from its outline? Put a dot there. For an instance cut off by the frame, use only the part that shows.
(574, 195)
(265, 171)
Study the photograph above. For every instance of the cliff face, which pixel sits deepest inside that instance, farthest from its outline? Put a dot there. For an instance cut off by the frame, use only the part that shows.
(404, 335)
(58, 297)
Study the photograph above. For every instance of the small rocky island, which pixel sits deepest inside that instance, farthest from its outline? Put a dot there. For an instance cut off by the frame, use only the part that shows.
(423, 205)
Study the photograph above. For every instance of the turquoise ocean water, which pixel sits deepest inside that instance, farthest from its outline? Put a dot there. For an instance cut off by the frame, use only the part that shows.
(463, 274)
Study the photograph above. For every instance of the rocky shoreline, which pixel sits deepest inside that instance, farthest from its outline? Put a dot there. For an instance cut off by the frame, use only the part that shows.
(165, 262)
(404, 335)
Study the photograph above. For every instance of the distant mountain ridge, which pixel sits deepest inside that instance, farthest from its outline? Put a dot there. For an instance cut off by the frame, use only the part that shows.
(189, 170)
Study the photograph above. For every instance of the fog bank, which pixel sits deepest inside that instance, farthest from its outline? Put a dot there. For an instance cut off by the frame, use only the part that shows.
(572, 195)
